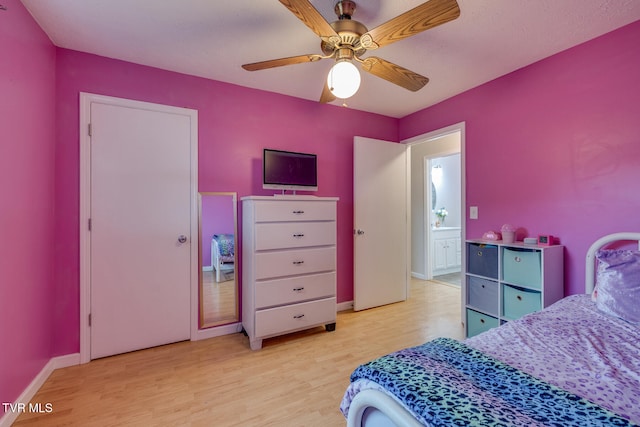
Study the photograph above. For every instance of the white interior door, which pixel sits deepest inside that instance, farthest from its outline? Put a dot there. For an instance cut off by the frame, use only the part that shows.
(381, 221)
(140, 227)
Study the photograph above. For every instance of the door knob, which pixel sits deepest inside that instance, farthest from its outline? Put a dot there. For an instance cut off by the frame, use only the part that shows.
(359, 232)
(182, 238)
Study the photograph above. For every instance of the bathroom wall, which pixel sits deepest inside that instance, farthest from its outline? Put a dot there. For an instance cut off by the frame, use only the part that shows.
(448, 190)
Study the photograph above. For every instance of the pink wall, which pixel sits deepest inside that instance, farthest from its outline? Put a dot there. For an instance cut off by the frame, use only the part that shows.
(554, 147)
(27, 96)
(235, 124)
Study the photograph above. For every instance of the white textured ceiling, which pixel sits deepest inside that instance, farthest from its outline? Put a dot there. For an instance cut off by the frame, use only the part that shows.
(213, 38)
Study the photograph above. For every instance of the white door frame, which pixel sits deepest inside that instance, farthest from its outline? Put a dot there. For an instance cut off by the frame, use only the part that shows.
(458, 127)
(428, 182)
(86, 99)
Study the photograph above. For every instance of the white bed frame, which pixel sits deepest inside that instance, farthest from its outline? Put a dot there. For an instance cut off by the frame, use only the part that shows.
(373, 408)
(590, 271)
(218, 265)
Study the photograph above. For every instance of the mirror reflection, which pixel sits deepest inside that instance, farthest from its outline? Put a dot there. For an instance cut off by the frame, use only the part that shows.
(218, 240)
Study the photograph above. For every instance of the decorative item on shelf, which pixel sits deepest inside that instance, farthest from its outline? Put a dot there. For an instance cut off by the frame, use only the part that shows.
(491, 235)
(530, 241)
(441, 214)
(508, 233)
(545, 240)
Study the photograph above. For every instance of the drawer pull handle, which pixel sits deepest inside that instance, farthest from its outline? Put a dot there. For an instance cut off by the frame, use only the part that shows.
(298, 235)
(519, 298)
(481, 320)
(518, 259)
(479, 253)
(298, 212)
(298, 289)
(298, 262)
(298, 316)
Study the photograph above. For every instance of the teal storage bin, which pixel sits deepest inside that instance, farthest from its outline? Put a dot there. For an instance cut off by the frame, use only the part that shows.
(516, 302)
(522, 267)
(478, 323)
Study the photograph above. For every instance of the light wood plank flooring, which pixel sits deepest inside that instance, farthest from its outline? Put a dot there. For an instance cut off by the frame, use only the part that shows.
(295, 380)
(219, 300)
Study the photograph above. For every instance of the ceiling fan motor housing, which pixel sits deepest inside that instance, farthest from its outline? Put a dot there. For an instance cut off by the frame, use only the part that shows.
(349, 32)
(345, 9)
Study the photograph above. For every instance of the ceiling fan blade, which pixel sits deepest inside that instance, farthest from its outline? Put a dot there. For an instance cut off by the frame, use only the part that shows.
(421, 18)
(308, 14)
(281, 62)
(394, 73)
(326, 96)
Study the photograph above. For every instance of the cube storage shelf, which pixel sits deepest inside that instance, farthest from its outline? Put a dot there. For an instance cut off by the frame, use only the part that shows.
(505, 281)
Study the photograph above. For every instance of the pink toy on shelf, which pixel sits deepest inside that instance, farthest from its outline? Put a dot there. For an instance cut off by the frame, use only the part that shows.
(491, 235)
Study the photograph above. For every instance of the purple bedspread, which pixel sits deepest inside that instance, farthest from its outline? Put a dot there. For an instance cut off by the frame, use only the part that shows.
(574, 346)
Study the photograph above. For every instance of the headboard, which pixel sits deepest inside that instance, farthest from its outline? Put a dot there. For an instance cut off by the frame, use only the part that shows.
(590, 274)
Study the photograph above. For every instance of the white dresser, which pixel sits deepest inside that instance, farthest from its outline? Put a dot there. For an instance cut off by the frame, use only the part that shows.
(288, 265)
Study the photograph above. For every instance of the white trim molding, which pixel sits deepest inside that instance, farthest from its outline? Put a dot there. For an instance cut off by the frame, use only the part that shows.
(203, 334)
(25, 397)
(344, 306)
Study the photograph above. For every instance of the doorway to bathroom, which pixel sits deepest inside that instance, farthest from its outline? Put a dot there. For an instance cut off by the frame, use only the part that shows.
(444, 243)
(437, 205)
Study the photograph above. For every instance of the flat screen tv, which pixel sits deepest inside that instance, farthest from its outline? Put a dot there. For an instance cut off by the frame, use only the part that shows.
(288, 170)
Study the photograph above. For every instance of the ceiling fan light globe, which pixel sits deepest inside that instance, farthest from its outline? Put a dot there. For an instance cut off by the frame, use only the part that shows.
(343, 79)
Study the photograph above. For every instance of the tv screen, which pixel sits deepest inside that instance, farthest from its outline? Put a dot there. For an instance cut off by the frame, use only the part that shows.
(287, 170)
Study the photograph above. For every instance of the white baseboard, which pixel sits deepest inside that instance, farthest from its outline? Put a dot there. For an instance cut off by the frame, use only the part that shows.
(419, 275)
(217, 331)
(31, 390)
(207, 268)
(345, 306)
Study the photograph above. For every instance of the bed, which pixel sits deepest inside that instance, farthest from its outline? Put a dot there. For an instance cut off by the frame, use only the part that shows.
(577, 362)
(223, 256)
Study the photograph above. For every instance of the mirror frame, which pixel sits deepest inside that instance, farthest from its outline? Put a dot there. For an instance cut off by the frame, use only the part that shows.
(201, 319)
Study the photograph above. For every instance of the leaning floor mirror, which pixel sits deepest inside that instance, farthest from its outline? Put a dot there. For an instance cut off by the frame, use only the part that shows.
(218, 275)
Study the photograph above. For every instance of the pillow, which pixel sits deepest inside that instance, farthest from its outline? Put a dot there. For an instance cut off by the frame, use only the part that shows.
(225, 244)
(617, 289)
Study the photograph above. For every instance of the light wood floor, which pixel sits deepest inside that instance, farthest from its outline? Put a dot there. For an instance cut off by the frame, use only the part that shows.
(219, 300)
(295, 380)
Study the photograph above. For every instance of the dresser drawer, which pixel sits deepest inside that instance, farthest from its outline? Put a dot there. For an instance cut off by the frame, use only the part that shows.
(289, 290)
(516, 302)
(293, 262)
(482, 260)
(293, 210)
(278, 320)
(282, 235)
(483, 294)
(522, 267)
(478, 323)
